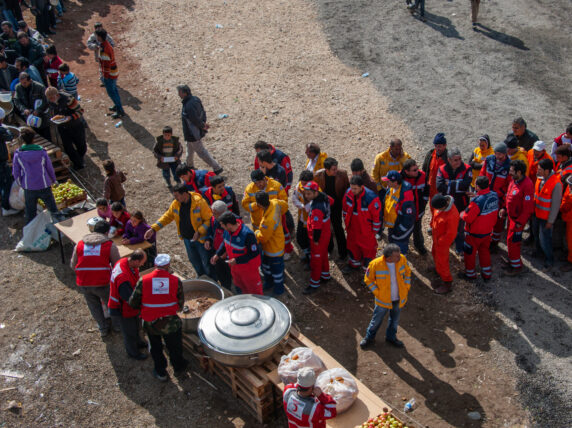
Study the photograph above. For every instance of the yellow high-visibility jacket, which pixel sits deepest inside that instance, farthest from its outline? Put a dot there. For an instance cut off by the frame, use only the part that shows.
(200, 216)
(378, 281)
(522, 156)
(270, 233)
(274, 190)
(319, 162)
(384, 163)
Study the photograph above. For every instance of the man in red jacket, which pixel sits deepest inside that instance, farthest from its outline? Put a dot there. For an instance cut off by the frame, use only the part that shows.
(495, 168)
(418, 180)
(480, 218)
(305, 404)
(124, 276)
(519, 207)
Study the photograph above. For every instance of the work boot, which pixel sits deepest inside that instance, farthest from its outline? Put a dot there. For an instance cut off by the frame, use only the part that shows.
(463, 275)
(395, 342)
(510, 271)
(309, 290)
(444, 288)
(365, 343)
(566, 268)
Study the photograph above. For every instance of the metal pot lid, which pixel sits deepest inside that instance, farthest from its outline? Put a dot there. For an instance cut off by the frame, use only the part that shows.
(244, 324)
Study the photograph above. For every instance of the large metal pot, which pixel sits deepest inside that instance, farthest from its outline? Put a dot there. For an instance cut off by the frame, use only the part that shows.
(244, 330)
(207, 289)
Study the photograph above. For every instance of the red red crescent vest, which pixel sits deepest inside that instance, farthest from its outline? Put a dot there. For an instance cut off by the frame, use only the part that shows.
(93, 268)
(122, 273)
(159, 295)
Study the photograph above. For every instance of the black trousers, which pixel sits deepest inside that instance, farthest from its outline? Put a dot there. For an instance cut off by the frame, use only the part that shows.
(418, 240)
(174, 344)
(223, 275)
(303, 239)
(130, 331)
(339, 233)
(73, 140)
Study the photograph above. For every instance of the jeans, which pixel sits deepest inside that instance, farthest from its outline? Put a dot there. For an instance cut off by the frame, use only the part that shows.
(377, 318)
(31, 199)
(5, 184)
(543, 239)
(199, 258)
(111, 88)
(174, 344)
(94, 297)
(171, 169)
(9, 16)
(273, 270)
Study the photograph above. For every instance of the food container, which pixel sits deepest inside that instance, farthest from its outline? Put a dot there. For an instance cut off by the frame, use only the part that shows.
(196, 288)
(5, 96)
(244, 330)
(93, 221)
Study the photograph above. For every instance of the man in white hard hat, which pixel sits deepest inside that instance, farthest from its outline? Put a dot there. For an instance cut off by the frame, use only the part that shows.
(305, 404)
(160, 296)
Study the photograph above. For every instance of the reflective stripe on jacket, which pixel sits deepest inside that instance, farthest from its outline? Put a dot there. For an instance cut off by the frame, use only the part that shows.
(159, 295)
(122, 273)
(93, 266)
(543, 197)
(377, 279)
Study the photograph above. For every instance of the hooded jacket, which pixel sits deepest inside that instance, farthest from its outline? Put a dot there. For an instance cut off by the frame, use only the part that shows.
(32, 168)
(94, 239)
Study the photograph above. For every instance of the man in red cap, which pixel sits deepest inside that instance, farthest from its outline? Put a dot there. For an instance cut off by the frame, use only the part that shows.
(319, 232)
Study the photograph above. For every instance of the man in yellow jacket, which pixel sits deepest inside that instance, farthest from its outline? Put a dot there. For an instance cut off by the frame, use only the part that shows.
(261, 183)
(315, 157)
(389, 279)
(192, 215)
(271, 237)
(515, 152)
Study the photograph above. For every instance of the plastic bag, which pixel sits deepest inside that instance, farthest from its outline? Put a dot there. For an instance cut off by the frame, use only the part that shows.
(37, 234)
(295, 360)
(17, 199)
(340, 384)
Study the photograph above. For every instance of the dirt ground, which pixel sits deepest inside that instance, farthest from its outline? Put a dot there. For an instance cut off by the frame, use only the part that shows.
(290, 73)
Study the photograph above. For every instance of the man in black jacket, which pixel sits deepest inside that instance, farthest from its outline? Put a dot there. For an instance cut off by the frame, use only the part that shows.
(195, 127)
(7, 73)
(30, 99)
(526, 138)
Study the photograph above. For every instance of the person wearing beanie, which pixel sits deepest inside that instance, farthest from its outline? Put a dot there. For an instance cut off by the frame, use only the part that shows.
(518, 208)
(444, 225)
(514, 152)
(160, 296)
(305, 404)
(526, 138)
(496, 169)
(534, 156)
(434, 159)
(566, 210)
(260, 182)
(480, 218)
(478, 156)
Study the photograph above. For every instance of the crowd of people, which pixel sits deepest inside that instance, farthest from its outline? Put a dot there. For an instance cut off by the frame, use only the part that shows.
(519, 184)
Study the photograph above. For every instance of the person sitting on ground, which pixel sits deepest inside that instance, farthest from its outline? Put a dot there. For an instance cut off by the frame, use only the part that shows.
(119, 218)
(103, 209)
(9, 36)
(563, 139)
(279, 158)
(479, 155)
(112, 186)
(168, 152)
(30, 49)
(52, 64)
(8, 73)
(305, 404)
(67, 81)
(315, 157)
(23, 66)
(242, 253)
(389, 279)
(195, 180)
(31, 32)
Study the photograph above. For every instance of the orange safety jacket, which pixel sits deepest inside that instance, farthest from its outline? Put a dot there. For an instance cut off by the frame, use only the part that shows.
(93, 267)
(543, 197)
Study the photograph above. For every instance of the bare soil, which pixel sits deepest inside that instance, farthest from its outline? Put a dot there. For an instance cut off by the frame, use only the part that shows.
(290, 73)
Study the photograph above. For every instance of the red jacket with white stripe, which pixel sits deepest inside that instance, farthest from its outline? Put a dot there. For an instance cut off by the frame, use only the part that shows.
(361, 215)
(307, 412)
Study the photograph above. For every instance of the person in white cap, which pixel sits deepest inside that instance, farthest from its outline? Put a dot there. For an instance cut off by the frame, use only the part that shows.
(160, 296)
(5, 171)
(534, 156)
(305, 404)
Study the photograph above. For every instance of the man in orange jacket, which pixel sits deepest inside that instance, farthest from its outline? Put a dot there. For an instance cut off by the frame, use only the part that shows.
(444, 224)
(566, 210)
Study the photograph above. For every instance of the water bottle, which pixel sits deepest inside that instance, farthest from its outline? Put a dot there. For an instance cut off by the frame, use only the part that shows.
(410, 406)
(223, 116)
(118, 124)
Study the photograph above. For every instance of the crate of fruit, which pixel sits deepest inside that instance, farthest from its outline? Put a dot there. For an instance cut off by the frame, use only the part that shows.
(386, 419)
(67, 194)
